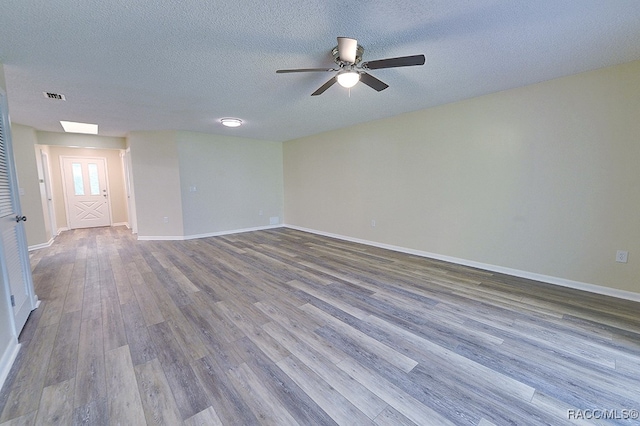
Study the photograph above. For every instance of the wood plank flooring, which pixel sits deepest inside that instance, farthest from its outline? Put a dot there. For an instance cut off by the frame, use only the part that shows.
(281, 327)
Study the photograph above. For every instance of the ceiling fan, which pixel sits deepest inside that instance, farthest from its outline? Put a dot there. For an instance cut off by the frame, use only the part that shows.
(348, 57)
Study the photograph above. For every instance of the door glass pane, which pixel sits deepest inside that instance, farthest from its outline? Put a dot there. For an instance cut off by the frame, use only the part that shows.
(93, 179)
(78, 184)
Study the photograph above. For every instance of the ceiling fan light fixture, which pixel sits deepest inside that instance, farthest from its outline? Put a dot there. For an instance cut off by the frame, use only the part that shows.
(348, 79)
(231, 122)
(347, 55)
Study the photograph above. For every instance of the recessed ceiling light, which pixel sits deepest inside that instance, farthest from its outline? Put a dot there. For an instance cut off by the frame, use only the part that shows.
(231, 122)
(73, 127)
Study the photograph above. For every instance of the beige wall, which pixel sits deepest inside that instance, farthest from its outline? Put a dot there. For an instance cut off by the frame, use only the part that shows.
(37, 227)
(542, 179)
(237, 182)
(156, 181)
(77, 140)
(115, 175)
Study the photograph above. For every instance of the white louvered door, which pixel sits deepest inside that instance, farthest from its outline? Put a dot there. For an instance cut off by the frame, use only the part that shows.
(14, 256)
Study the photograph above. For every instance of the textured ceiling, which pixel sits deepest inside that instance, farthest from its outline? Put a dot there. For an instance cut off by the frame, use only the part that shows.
(183, 65)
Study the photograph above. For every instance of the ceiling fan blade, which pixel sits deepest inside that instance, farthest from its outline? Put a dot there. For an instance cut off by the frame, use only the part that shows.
(373, 82)
(325, 86)
(403, 61)
(347, 48)
(305, 70)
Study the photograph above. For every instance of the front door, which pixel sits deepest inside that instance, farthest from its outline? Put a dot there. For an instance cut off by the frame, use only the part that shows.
(86, 194)
(14, 258)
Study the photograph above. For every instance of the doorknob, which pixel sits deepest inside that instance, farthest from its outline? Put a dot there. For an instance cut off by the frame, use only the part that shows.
(20, 218)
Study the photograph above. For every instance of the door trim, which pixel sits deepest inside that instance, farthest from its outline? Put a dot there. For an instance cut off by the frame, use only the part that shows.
(7, 358)
(48, 193)
(130, 193)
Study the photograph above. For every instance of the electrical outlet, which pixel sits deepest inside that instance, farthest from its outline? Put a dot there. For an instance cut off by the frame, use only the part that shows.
(165, 219)
(373, 223)
(622, 256)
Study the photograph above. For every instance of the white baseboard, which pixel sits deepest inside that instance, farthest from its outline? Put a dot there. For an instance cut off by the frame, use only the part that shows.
(7, 359)
(234, 231)
(592, 288)
(121, 224)
(40, 246)
(209, 234)
(160, 238)
(61, 230)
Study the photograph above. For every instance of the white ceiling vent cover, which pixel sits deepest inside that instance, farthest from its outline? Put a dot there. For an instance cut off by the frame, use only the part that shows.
(57, 96)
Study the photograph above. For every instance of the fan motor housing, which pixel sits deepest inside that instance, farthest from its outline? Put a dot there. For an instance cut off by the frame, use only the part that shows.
(337, 60)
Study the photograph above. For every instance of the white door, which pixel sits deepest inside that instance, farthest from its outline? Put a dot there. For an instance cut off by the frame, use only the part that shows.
(86, 195)
(14, 257)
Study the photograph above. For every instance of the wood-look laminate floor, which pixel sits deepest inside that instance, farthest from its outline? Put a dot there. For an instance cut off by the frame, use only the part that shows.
(282, 327)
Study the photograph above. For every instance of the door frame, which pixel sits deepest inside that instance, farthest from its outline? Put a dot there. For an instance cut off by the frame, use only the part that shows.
(128, 183)
(64, 185)
(50, 211)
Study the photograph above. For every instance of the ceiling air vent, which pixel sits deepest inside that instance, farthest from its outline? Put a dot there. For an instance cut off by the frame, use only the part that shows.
(57, 96)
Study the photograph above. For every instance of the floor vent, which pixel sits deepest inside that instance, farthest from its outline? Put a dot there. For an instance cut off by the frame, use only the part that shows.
(57, 96)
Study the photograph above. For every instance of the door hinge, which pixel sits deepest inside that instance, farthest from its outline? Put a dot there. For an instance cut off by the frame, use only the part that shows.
(13, 300)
